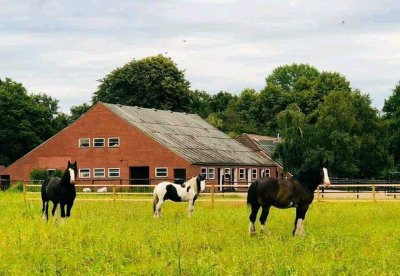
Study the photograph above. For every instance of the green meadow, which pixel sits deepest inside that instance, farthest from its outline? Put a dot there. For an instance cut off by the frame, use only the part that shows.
(123, 238)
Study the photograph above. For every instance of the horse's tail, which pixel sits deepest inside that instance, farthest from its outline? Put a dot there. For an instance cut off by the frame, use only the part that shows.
(252, 193)
(155, 201)
(43, 189)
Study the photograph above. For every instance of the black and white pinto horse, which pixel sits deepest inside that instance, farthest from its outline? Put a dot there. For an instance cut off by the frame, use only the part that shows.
(189, 191)
(297, 192)
(60, 190)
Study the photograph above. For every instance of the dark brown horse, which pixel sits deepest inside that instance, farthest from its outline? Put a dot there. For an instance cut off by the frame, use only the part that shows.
(297, 192)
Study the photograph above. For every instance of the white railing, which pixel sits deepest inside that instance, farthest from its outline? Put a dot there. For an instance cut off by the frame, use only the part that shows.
(238, 192)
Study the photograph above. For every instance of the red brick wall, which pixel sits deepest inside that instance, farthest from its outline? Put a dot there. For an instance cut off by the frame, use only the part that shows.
(136, 148)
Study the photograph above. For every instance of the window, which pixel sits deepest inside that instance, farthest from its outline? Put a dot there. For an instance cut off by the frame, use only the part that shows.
(161, 172)
(113, 142)
(98, 142)
(113, 172)
(265, 173)
(99, 173)
(211, 173)
(84, 142)
(84, 173)
(227, 171)
(203, 171)
(242, 173)
(254, 174)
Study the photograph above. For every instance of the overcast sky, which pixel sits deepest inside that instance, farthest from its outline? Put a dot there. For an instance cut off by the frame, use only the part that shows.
(62, 48)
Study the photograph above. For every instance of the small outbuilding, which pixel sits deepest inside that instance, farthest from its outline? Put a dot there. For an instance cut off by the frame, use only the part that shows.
(264, 146)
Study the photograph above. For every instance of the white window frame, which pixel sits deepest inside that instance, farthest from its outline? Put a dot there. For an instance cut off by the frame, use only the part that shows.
(267, 173)
(94, 173)
(108, 142)
(227, 171)
(80, 145)
(204, 170)
(94, 142)
(211, 173)
(114, 176)
(157, 173)
(242, 171)
(87, 170)
(252, 173)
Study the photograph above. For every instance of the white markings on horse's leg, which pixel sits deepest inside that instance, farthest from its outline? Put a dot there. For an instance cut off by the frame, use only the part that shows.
(190, 210)
(157, 213)
(327, 182)
(299, 227)
(252, 229)
(262, 230)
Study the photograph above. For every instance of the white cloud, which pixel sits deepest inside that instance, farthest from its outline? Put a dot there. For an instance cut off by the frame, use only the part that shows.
(62, 48)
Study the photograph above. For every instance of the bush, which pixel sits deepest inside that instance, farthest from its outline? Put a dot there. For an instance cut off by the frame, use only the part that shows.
(17, 187)
(39, 175)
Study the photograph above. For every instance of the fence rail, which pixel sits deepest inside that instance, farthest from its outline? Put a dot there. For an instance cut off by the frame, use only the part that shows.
(237, 192)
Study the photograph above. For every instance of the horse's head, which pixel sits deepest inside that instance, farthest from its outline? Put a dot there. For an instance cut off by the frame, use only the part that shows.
(73, 171)
(201, 182)
(324, 174)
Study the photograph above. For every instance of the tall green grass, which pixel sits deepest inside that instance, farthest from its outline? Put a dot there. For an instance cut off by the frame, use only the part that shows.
(123, 238)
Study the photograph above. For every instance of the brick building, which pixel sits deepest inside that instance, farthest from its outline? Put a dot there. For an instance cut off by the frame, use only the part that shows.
(265, 146)
(126, 144)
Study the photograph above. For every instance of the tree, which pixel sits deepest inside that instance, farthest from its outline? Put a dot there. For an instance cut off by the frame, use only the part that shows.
(290, 76)
(391, 111)
(292, 150)
(153, 82)
(25, 120)
(77, 111)
(200, 103)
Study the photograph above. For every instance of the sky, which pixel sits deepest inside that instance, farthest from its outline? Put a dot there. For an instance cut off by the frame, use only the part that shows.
(62, 48)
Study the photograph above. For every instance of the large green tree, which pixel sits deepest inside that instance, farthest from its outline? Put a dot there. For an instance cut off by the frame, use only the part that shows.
(153, 82)
(348, 133)
(25, 120)
(391, 111)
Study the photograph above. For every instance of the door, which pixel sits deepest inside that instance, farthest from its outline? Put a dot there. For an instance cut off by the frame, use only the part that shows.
(179, 176)
(139, 175)
(4, 182)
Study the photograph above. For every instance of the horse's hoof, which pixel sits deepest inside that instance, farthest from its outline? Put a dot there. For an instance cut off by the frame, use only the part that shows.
(252, 233)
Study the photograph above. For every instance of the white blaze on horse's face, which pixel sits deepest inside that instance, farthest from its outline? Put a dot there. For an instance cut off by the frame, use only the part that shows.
(327, 182)
(72, 176)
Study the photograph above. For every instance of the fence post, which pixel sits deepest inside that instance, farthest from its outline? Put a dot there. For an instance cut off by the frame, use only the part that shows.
(212, 195)
(114, 194)
(24, 191)
(318, 194)
(373, 193)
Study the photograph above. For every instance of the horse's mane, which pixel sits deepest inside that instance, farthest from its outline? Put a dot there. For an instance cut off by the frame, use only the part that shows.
(309, 177)
(191, 183)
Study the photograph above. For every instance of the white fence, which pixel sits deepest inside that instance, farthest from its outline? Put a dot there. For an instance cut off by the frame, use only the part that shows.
(117, 192)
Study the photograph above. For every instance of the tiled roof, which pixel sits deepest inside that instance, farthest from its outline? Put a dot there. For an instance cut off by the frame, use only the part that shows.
(266, 144)
(189, 136)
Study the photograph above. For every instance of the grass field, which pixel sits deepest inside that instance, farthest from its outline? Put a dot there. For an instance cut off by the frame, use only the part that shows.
(123, 238)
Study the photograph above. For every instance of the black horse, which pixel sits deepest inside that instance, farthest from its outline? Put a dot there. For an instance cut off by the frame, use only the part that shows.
(297, 192)
(60, 190)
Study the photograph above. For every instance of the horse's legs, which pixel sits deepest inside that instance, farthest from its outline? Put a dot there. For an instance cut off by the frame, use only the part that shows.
(157, 212)
(263, 217)
(299, 221)
(62, 206)
(69, 207)
(255, 206)
(53, 211)
(190, 210)
(45, 210)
